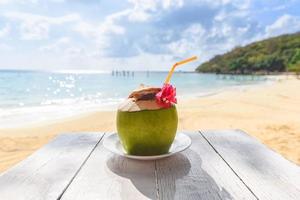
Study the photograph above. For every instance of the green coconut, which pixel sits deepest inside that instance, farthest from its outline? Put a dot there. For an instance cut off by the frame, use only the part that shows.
(147, 132)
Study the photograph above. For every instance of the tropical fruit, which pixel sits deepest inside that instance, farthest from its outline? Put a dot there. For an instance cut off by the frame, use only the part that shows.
(147, 119)
(147, 132)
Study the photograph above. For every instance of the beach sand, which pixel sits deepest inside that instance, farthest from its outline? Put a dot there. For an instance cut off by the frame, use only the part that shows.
(270, 113)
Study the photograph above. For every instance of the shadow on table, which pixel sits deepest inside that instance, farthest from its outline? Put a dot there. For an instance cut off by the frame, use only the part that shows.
(175, 175)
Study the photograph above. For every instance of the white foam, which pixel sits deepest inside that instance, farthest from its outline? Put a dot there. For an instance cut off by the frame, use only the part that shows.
(53, 110)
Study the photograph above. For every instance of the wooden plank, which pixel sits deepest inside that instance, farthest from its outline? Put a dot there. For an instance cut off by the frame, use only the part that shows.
(265, 172)
(47, 172)
(107, 176)
(198, 173)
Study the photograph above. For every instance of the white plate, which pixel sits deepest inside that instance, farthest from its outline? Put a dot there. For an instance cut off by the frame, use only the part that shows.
(113, 144)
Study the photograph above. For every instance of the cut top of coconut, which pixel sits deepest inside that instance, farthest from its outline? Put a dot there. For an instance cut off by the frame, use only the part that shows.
(144, 93)
(130, 105)
(140, 99)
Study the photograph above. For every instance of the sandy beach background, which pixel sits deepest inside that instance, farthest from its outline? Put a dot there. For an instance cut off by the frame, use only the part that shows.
(270, 113)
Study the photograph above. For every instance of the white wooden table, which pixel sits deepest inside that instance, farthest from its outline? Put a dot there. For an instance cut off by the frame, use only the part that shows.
(225, 164)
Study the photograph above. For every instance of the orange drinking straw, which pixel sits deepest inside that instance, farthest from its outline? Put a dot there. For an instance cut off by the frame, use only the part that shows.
(176, 64)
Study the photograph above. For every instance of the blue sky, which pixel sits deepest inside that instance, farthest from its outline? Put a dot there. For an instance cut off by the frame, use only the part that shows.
(133, 34)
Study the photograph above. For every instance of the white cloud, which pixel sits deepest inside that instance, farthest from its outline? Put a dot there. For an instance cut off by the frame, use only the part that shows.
(75, 51)
(101, 34)
(65, 48)
(5, 47)
(284, 24)
(145, 33)
(56, 46)
(181, 29)
(98, 30)
(190, 41)
(143, 9)
(34, 30)
(27, 1)
(36, 27)
(4, 31)
(57, 1)
(4, 1)
(34, 17)
(109, 25)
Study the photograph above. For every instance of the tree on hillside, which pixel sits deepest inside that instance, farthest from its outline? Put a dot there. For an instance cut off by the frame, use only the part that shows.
(278, 54)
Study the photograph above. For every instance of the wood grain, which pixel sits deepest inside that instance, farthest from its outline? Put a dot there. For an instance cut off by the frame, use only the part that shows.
(198, 173)
(107, 176)
(218, 165)
(265, 172)
(47, 172)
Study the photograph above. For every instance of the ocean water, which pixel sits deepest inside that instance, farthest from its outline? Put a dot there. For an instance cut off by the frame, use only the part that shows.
(28, 97)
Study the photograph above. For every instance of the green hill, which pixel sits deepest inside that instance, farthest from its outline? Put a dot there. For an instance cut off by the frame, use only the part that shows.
(278, 54)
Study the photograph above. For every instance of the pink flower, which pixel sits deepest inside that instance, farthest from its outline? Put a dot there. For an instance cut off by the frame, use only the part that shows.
(167, 96)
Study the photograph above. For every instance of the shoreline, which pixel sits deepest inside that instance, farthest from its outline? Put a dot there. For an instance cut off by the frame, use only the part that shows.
(49, 117)
(269, 112)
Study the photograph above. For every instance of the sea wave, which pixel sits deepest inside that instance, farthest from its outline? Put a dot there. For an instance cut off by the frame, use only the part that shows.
(30, 97)
(53, 110)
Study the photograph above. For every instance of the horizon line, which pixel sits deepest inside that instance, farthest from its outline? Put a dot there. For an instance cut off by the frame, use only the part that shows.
(90, 71)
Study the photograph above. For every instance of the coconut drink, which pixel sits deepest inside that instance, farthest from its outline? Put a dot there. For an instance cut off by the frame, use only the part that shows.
(147, 120)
